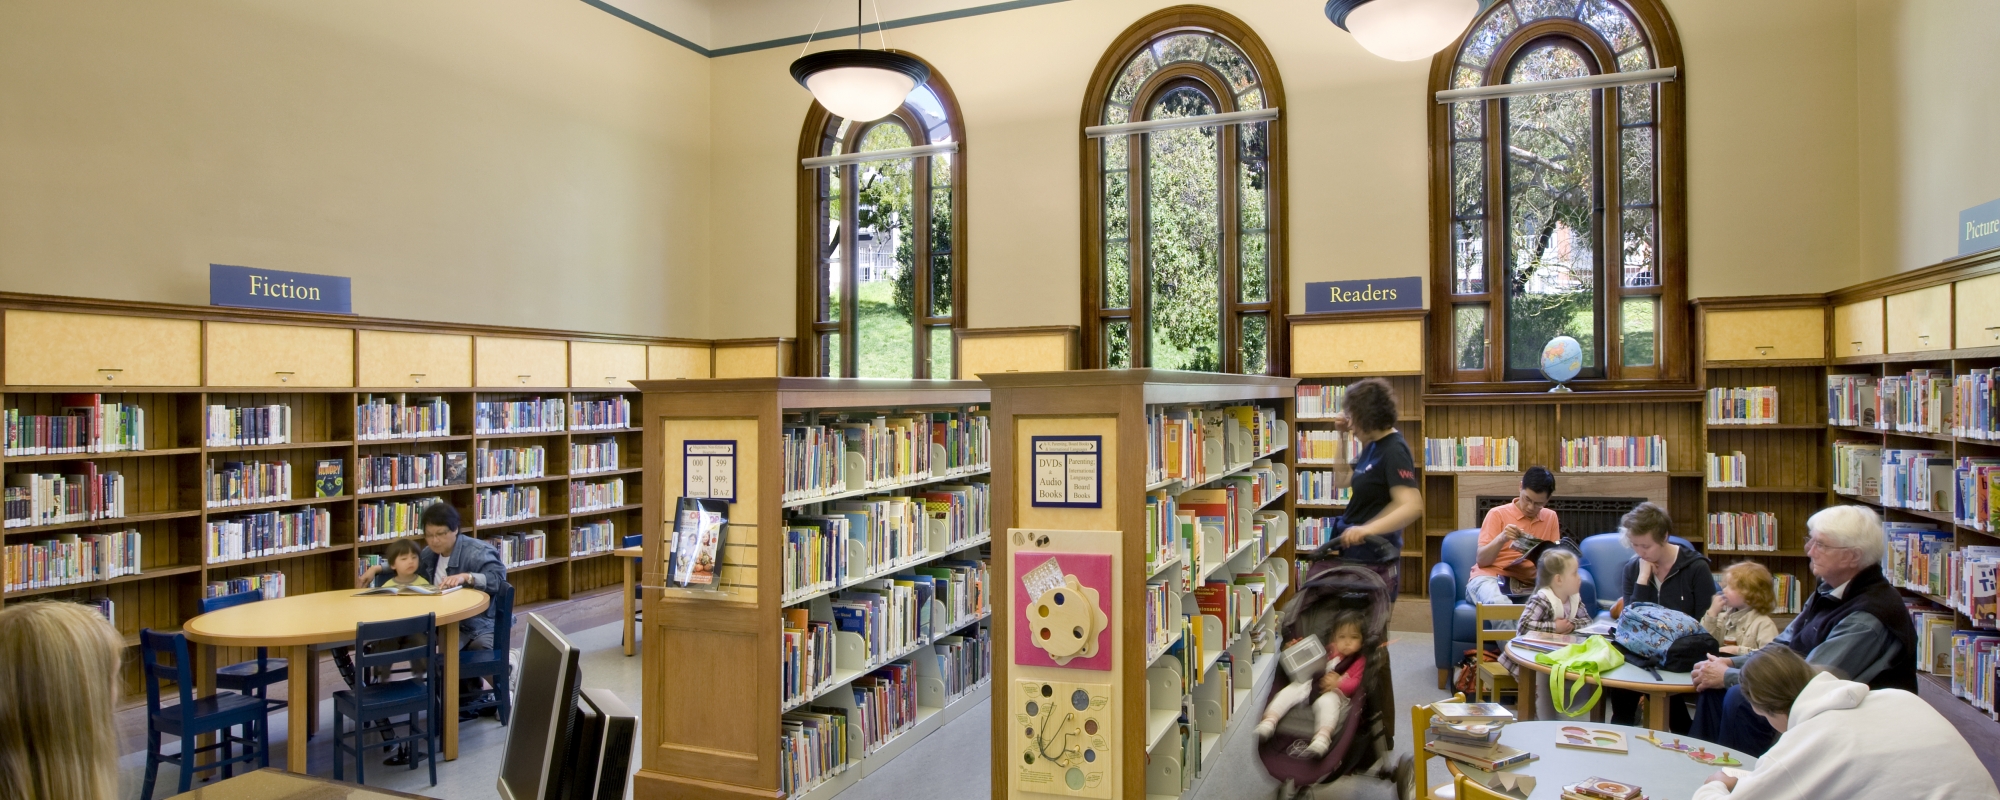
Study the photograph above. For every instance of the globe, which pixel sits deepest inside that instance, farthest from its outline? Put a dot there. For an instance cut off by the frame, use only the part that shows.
(1562, 359)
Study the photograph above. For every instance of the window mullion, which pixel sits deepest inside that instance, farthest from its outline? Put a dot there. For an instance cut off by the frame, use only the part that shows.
(1228, 261)
(1139, 257)
(850, 265)
(920, 262)
(1498, 249)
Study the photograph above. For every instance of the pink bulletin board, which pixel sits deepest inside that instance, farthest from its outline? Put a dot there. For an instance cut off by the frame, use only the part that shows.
(1091, 570)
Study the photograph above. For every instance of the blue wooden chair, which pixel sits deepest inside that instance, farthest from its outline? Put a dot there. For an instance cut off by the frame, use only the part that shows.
(493, 664)
(251, 678)
(219, 713)
(376, 699)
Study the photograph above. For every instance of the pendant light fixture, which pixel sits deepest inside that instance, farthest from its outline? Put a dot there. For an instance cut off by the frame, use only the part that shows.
(859, 84)
(1403, 30)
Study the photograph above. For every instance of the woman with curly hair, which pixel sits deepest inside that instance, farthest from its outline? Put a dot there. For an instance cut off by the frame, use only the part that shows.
(1384, 478)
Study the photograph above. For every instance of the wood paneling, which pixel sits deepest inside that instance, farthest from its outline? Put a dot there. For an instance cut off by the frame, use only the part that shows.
(1977, 306)
(668, 362)
(387, 359)
(766, 360)
(1857, 329)
(599, 365)
(241, 354)
(1383, 347)
(1764, 334)
(55, 348)
(1028, 351)
(504, 361)
(1919, 321)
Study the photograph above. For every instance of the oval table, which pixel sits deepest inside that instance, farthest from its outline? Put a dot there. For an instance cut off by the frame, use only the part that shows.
(1624, 677)
(1662, 774)
(294, 624)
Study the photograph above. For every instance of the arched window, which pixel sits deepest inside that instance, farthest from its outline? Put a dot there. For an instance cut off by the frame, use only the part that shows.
(882, 241)
(1560, 212)
(1183, 226)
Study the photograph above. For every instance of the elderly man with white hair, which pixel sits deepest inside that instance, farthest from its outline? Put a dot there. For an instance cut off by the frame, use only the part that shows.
(1853, 625)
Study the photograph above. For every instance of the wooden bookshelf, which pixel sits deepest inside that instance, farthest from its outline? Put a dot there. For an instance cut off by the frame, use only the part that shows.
(1140, 740)
(169, 360)
(713, 668)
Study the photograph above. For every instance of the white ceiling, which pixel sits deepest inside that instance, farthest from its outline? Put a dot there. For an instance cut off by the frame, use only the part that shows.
(720, 24)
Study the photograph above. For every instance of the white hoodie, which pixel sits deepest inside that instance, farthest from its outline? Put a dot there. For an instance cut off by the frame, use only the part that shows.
(1844, 741)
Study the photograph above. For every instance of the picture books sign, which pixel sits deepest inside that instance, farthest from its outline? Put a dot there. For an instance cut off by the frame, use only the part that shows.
(1979, 228)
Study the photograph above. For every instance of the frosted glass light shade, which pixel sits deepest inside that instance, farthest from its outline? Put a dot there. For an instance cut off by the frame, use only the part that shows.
(860, 85)
(1403, 30)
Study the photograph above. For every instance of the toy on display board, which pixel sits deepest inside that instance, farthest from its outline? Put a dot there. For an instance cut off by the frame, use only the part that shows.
(1696, 752)
(1062, 615)
(1063, 743)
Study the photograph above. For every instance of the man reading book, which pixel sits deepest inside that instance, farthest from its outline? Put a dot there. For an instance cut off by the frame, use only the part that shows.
(1506, 536)
(452, 559)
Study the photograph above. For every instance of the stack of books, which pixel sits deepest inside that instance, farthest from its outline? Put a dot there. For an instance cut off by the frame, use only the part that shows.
(1469, 733)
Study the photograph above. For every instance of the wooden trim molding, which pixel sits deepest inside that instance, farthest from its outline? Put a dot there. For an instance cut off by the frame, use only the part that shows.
(1355, 316)
(1957, 269)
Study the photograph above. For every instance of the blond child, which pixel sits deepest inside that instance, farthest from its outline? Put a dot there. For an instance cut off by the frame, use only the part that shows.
(1345, 665)
(1555, 607)
(1740, 616)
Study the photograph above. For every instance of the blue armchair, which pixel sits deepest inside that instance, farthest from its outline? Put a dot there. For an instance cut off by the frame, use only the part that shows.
(1451, 613)
(1604, 558)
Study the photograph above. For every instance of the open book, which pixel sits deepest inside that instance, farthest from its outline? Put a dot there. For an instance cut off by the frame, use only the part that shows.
(399, 589)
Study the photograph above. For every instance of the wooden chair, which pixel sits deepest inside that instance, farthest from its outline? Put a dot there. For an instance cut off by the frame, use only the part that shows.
(1420, 721)
(1493, 673)
(1469, 789)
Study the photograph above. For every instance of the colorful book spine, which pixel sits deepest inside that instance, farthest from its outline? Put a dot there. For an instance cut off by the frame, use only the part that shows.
(70, 559)
(1742, 531)
(611, 413)
(598, 456)
(1472, 454)
(242, 483)
(508, 504)
(1615, 454)
(532, 415)
(270, 584)
(390, 519)
(593, 537)
(377, 418)
(86, 424)
(1728, 471)
(509, 463)
(1750, 405)
(268, 534)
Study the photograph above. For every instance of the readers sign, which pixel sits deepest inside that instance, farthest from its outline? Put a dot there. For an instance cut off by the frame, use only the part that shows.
(245, 287)
(1068, 471)
(1373, 294)
(1979, 228)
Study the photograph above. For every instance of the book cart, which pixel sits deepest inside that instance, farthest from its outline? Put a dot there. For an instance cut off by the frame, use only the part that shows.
(1155, 497)
(755, 687)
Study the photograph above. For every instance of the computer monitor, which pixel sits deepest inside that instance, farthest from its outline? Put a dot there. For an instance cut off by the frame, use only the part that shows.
(539, 737)
(605, 730)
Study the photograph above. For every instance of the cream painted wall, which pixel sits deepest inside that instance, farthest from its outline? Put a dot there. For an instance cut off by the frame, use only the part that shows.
(521, 162)
(1772, 151)
(1929, 113)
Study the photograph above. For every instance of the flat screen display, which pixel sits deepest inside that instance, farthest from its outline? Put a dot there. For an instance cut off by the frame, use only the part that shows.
(544, 704)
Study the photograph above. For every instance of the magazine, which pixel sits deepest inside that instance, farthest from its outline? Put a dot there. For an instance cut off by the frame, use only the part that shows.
(696, 544)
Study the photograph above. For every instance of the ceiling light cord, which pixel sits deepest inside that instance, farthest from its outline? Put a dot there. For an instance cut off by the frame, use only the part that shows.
(815, 30)
(881, 32)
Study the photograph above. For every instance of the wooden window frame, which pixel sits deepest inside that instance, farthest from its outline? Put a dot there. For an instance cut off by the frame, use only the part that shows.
(814, 137)
(1193, 19)
(1672, 362)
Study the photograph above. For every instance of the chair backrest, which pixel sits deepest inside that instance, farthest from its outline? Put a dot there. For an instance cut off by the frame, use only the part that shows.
(1606, 554)
(1481, 614)
(209, 604)
(1420, 721)
(154, 649)
(1459, 550)
(391, 632)
(503, 617)
(634, 539)
(1468, 789)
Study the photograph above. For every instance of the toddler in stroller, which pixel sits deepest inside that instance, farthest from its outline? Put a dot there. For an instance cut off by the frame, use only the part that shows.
(1361, 742)
(1327, 676)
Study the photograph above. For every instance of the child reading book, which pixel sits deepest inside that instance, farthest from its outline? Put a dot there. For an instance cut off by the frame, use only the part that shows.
(1740, 616)
(1555, 607)
(401, 556)
(1329, 694)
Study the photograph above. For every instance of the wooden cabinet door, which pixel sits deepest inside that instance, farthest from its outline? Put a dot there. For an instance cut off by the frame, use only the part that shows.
(57, 348)
(388, 359)
(1920, 320)
(1857, 329)
(1978, 318)
(668, 362)
(502, 362)
(1764, 334)
(1387, 347)
(594, 365)
(241, 354)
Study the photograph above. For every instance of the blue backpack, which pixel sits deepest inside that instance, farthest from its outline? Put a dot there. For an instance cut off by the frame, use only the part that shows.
(1652, 635)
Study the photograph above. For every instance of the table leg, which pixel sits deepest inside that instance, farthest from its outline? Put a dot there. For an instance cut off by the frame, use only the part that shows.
(448, 635)
(1524, 694)
(628, 605)
(311, 666)
(1656, 711)
(299, 697)
(204, 686)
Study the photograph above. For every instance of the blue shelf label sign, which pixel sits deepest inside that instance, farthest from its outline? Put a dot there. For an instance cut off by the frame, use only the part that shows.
(1371, 294)
(709, 469)
(1979, 228)
(246, 287)
(1069, 470)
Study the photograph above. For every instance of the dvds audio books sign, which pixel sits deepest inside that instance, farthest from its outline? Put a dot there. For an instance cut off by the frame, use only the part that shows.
(1979, 228)
(1373, 294)
(245, 287)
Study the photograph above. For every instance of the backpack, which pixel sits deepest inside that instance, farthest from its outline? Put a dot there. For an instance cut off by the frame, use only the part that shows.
(1654, 636)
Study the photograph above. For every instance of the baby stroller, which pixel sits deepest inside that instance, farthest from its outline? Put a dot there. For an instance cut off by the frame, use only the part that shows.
(1364, 747)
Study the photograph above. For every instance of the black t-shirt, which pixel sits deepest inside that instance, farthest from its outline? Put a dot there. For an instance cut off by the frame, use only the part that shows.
(1383, 464)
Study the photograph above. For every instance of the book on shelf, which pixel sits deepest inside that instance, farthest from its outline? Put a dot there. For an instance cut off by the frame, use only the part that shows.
(86, 424)
(850, 453)
(1972, 491)
(1917, 479)
(597, 456)
(1973, 415)
(1317, 401)
(379, 417)
(1318, 487)
(1615, 454)
(268, 534)
(1789, 593)
(79, 494)
(1727, 471)
(510, 463)
(1472, 454)
(1916, 556)
(270, 584)
(607, 413)
(1326, 446)
(521, 549)
(242, 483)
(1744, 405)
(507, 504)
(531, 415)
(329, 478)
(587, 496)
(390, 519)
(406, 590)
(1850, 400)
(1913, 402)
(1742, 530)
(390, 472)
(248, 425)
(600, 536)
(70, 558)
(1857, 468)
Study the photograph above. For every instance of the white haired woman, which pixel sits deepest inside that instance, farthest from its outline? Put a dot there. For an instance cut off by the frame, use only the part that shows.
(1853, 625)
(1840, 739)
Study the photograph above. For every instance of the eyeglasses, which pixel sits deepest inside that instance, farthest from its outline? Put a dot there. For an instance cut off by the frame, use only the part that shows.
(1816, 543)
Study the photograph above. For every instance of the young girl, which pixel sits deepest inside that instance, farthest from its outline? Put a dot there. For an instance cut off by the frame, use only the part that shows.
(1345, 664)
(1740, 617)
(402, 557)
(1555, 607)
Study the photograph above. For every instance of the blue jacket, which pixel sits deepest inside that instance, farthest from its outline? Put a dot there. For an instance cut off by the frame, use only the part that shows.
(470, 556)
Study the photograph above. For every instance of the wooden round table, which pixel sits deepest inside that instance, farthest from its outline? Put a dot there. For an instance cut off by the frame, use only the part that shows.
(294, 624)
(1663, 774)
(1624, 677)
